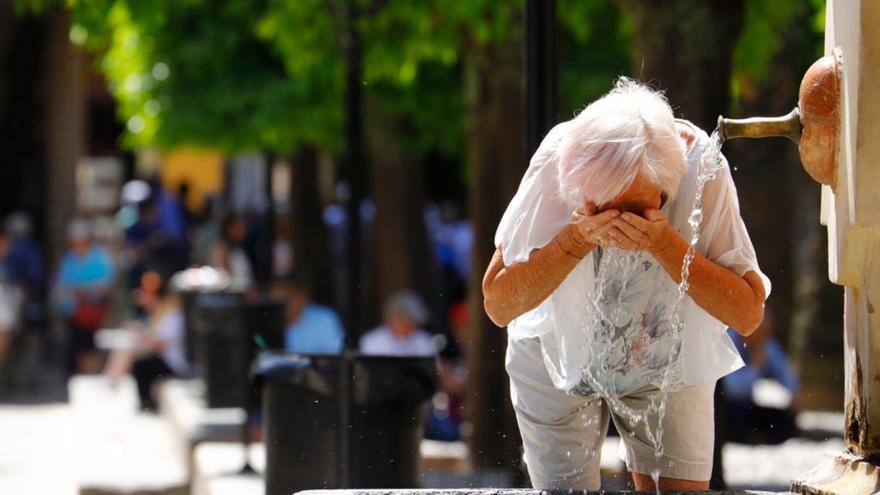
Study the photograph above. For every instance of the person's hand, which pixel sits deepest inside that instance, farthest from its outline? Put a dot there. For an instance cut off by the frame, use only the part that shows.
(592, 226)
(650, 233)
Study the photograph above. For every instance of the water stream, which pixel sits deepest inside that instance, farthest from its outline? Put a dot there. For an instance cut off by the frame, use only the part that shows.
(619, 346)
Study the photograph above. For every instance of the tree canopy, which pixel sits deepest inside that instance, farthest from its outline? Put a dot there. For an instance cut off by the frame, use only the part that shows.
(269, 74)
(196, 72)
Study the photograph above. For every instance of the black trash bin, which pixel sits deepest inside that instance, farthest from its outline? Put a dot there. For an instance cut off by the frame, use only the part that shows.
(189, 284)
(188, 299)
(219, 328)
(387, 395)
(306, 399)
(226, 332)
(301, 418)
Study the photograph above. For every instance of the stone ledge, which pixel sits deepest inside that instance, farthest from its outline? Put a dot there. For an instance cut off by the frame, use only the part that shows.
(840, 474)
(510, 491)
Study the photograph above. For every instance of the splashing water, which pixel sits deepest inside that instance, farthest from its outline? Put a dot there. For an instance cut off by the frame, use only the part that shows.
(606, 309)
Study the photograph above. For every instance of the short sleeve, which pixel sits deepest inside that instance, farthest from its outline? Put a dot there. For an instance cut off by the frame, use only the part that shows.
(724, 237)
(537, 212)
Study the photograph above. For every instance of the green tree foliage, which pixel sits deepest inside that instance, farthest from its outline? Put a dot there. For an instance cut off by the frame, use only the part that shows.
(412, 55)
(196, 72)
(765, 25)
(595, 47)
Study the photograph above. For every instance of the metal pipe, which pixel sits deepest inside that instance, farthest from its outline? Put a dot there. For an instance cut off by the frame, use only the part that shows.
(788, 126)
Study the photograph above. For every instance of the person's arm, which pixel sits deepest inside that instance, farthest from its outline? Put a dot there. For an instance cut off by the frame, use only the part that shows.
(737, 301)
(510, 291)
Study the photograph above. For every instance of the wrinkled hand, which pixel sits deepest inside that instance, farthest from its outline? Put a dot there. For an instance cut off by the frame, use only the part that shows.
(650, 233)
(592, 227)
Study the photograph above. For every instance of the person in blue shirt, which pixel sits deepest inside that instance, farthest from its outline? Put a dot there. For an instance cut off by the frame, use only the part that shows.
(765, 358)
(311, 328)
(82, 295)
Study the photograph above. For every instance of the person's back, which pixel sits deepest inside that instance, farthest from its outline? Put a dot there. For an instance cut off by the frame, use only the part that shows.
(382, 341)
(316, 331)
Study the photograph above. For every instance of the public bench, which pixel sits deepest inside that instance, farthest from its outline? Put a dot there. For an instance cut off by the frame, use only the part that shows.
(182, 405)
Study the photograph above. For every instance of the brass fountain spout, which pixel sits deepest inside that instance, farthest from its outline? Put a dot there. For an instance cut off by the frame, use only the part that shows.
(788, 126)
(814, 125)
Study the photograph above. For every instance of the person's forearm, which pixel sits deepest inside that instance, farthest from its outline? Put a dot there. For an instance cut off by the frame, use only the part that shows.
(510, 291)
(719, 291)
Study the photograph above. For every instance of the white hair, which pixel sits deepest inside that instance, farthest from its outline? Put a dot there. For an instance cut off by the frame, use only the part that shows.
(629, 131)
(407, 304)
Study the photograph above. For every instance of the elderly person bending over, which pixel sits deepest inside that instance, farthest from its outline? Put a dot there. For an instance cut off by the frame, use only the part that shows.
(589, 255)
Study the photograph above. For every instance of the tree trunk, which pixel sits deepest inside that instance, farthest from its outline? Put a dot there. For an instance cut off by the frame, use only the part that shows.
(402, 252)
(66, 133)
(685, 47)
(308, 233)
(22, 119)
(6, 14)
(494, 153)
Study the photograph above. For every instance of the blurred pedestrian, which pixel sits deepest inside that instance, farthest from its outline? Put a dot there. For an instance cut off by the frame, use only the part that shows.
(24, 262)
(750, 422)
(402, 333)
(24, 273)
(157, 351)
(282, 250)
(447, 406)
(228, 253)
(10, 298)
(82, 295)
(311, 327)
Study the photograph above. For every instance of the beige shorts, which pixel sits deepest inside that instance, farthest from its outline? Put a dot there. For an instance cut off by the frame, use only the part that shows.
(562, 434)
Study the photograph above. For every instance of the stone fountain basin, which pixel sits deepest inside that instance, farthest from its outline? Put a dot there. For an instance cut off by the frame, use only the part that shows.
(511, 491)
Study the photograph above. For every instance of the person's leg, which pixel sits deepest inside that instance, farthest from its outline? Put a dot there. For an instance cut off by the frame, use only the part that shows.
(89, 360)
(119, 363)
(145, 372)
(562, 434)
(644, 483)
(76, 345)
(688, 439)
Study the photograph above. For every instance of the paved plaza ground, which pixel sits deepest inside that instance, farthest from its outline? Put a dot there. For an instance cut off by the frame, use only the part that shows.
(52, 447)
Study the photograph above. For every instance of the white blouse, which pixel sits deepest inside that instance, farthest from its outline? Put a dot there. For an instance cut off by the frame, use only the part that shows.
(616, 328)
